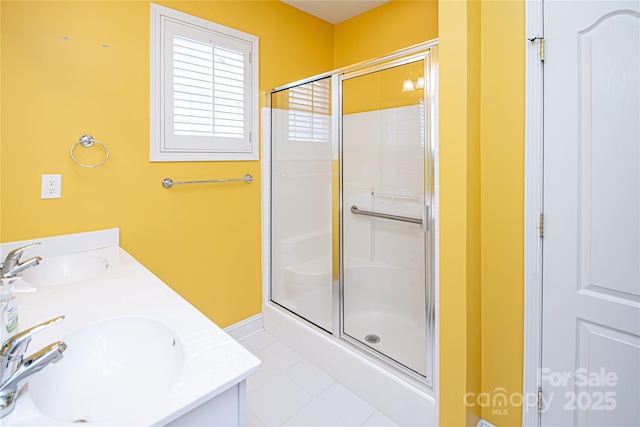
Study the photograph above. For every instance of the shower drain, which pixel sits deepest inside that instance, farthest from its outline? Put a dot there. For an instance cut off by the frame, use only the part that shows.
(372, 339)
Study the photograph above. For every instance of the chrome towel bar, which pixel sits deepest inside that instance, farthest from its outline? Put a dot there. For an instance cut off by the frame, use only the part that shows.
(356, 211)
(168, 183)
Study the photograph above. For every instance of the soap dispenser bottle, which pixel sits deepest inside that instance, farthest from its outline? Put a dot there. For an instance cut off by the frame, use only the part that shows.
(9, 305)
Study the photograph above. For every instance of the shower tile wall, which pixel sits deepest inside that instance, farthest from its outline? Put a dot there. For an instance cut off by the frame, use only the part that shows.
(399, 162)
(301, 186)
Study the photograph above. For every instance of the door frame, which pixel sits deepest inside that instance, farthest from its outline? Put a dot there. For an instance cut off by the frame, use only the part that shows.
(533, 208)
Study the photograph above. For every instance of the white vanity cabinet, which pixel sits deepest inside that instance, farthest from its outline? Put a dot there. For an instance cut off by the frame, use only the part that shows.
(204, 386)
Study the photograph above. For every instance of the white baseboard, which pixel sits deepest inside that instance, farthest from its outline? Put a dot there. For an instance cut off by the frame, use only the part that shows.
(245, 328)
(483, 423)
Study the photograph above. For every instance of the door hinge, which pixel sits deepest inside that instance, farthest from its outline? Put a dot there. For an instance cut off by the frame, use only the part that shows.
(539, 399)
(541, 225)
(541, 45)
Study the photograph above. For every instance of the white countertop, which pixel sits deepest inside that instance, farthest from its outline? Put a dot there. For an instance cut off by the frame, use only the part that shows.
(213, 361)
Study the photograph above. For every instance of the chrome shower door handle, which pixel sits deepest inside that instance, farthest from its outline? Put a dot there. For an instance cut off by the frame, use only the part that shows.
(354, 210)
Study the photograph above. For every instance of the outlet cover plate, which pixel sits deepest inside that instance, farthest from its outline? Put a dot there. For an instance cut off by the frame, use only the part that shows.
(51, 187)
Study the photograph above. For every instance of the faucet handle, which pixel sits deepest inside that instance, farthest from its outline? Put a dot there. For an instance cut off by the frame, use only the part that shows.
(17, 344)
(13, 257)
(16, 253)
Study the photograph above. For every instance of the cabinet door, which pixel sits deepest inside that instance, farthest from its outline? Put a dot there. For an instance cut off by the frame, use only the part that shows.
(223, 410)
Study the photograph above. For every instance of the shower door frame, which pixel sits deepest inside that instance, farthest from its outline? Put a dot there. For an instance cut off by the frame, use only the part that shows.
(428, 51)
(428, 97)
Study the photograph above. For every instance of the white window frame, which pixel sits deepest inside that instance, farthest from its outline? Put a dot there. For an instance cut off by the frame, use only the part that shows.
(165, 21)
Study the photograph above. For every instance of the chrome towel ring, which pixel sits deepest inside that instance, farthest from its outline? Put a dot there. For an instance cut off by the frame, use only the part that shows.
(87, 141)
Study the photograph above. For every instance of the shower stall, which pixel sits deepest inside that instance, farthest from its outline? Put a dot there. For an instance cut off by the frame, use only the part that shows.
(352, 197)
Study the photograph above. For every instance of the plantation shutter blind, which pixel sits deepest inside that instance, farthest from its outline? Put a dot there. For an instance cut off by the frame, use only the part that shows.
(309, 112)
(192, 87)
(208, 77)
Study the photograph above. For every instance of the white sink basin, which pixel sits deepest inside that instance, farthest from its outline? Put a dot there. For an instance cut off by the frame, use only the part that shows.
(62, 270)
(110, 368)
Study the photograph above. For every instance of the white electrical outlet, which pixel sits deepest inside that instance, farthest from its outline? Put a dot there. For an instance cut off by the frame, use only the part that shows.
(51, 186)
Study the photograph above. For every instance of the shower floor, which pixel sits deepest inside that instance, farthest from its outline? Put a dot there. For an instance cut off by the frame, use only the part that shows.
(400, 339)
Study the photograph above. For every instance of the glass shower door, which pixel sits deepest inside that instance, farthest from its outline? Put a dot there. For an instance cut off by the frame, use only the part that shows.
(301, 201)
(383, 208)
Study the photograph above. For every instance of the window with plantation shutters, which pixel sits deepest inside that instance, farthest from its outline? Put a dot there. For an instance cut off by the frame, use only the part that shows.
(204, 90)
(309, 112)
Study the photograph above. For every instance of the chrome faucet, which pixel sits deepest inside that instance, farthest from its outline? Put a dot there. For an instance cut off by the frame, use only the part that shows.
(12, 266)
(15, 369)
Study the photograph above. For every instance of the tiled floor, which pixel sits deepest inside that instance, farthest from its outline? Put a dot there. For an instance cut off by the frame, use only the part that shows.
(290, 391)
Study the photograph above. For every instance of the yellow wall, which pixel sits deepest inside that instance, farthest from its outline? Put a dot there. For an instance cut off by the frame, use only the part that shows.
(0, 119)
(204, 241)
(460, 345)
(474, 333)
(502, 152)
(490, 38)
(358, 96)
(385, 29)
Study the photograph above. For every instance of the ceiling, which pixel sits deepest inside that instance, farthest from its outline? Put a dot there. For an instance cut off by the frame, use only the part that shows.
(335, 11)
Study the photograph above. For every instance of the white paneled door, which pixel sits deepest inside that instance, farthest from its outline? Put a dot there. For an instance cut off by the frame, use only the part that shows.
(591, 246)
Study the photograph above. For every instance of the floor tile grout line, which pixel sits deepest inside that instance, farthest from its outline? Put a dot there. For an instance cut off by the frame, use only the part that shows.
(293, 377)
(319, 402)
(369, 417)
